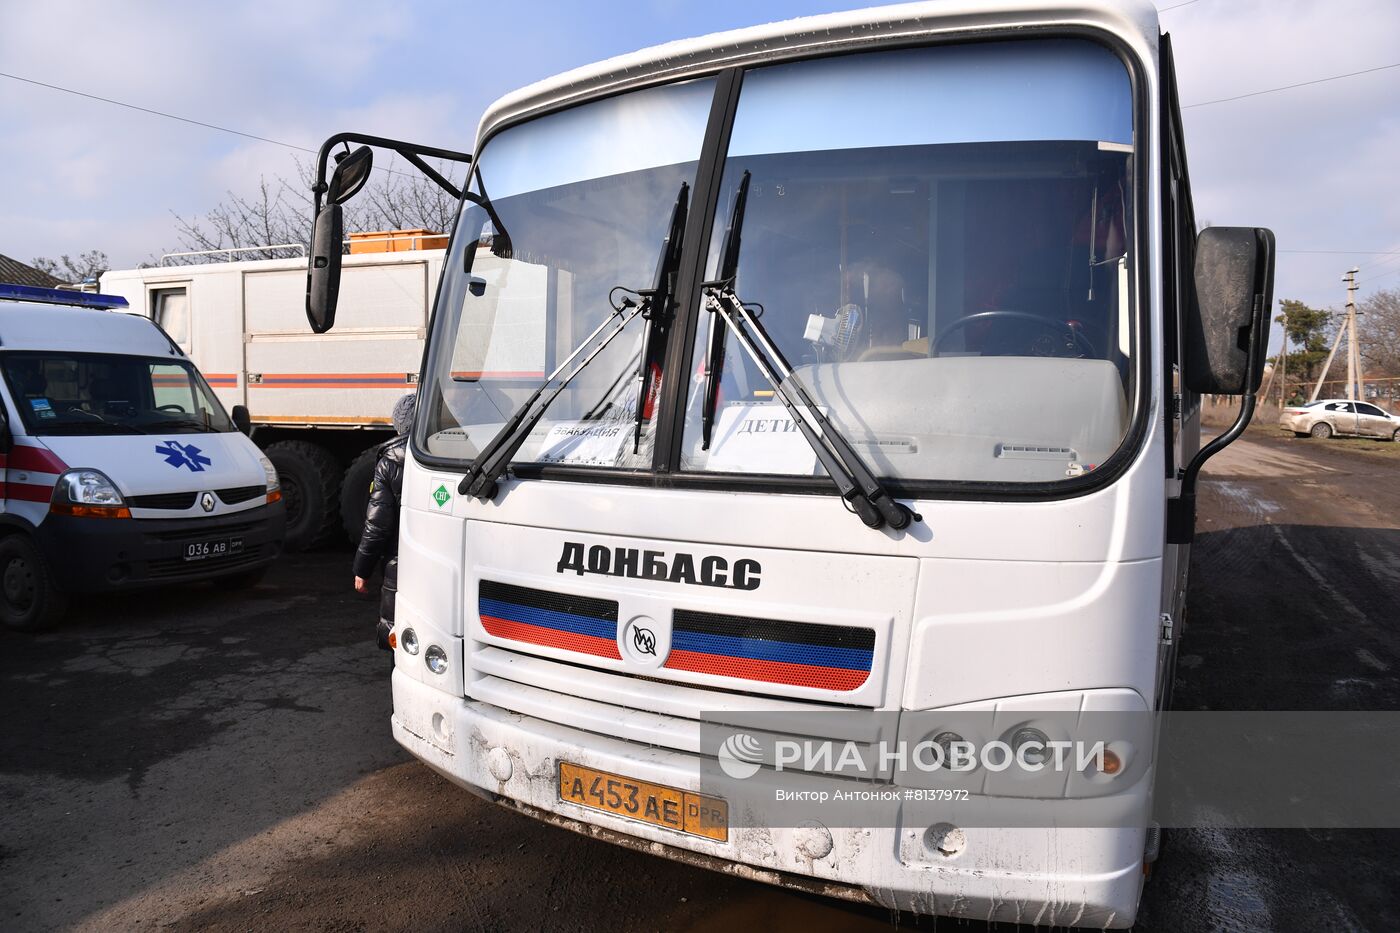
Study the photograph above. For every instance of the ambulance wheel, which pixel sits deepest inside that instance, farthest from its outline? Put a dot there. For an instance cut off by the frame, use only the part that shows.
(30, 601)
(310, 477)
(354, 493)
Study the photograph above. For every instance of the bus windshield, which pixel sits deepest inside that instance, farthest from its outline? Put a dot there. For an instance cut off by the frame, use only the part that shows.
(585, 197)
(108, 393)
(937, 241)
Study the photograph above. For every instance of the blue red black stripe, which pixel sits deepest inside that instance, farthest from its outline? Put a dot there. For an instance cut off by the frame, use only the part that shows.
(831, 657)
(542, 617)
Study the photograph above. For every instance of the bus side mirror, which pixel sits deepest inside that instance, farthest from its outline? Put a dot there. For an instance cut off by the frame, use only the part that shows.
(351, 173)
(241, 419)
(1227, 328)
(323, 269)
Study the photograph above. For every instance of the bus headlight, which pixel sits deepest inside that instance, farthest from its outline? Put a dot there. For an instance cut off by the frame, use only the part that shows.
(954, 750)
(1030, 746)
(409, 640)
(88, 494)
(436, 659)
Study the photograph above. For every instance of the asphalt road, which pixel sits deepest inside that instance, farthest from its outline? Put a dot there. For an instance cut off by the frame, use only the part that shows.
(193, 760)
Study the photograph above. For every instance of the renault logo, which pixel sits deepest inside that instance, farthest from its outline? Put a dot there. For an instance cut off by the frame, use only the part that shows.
(206, 501)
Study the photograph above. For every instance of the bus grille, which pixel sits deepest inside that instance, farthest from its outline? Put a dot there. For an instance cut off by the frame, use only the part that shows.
(742, 648)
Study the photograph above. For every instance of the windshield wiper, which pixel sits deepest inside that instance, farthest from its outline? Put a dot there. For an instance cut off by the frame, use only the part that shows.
(160, 427)
(656, 308)
(854, 480)
(481, 481)
(728, 271)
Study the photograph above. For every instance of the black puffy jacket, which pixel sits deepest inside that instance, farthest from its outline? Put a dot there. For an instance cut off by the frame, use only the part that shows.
(380, 539)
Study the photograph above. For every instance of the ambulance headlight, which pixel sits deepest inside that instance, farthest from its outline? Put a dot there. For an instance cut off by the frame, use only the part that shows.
(87, 493)
(274, 484)
(269, 473)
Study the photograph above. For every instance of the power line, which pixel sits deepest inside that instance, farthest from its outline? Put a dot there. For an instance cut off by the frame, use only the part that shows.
(1177, 6)
(193, 122)
(1381, 276)
(1289, 87)
(159, 113)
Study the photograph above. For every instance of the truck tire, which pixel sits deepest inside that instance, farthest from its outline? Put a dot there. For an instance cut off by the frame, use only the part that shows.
(354, 492)
(30, 600)
(310, 477)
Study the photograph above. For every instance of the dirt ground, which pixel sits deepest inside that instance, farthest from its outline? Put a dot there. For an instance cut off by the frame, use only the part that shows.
(193, 761)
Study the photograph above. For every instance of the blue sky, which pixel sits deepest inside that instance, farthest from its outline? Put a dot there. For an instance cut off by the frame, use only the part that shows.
(1317, 163)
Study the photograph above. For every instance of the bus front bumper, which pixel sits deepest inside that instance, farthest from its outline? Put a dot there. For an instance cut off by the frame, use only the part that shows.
(1089, 877)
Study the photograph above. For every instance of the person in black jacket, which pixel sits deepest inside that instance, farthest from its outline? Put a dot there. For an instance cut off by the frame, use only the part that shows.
(379, 542)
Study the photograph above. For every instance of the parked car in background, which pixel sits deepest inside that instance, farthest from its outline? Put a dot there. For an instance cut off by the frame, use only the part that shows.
(119, 468)
(1339, 416)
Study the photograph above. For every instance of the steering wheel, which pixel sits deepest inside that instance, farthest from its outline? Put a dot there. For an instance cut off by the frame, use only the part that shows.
(1057, 338)
(172, 407)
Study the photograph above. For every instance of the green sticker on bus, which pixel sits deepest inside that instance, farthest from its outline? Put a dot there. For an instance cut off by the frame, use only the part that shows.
(441, 495)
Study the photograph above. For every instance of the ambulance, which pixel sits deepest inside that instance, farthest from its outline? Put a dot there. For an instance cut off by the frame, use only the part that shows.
(119, 469)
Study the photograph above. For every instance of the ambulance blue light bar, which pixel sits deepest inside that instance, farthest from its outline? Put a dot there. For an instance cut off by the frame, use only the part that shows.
(59, 296)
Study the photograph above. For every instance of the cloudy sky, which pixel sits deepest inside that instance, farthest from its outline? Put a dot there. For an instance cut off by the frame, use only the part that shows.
(1317, 163)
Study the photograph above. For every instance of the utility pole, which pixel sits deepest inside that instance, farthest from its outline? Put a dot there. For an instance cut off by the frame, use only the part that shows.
(1283, 363)
(1355, 378)
(1346, 332)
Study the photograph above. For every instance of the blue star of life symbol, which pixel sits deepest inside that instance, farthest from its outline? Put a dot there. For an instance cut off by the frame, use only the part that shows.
(183, 455)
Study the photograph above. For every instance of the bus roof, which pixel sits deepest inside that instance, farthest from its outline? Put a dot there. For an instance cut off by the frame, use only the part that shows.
(1135, 21)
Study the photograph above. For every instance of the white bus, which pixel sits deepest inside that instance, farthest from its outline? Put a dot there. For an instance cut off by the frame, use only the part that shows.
(842, 365)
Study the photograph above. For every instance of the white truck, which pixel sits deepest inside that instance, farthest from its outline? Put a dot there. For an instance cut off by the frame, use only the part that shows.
(319, 407)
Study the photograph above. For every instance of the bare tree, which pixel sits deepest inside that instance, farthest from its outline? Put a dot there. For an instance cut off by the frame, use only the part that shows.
(278, 213)
(268, 218)
(89, 265)
(1378, 326)
(404, 201)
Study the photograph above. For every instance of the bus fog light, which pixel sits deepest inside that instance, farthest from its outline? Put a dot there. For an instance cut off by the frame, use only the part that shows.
(436, 659)
(945, 839)
(952, 751)
(409, 640)
(1030, 746)
(499, 764)
(813, 841)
